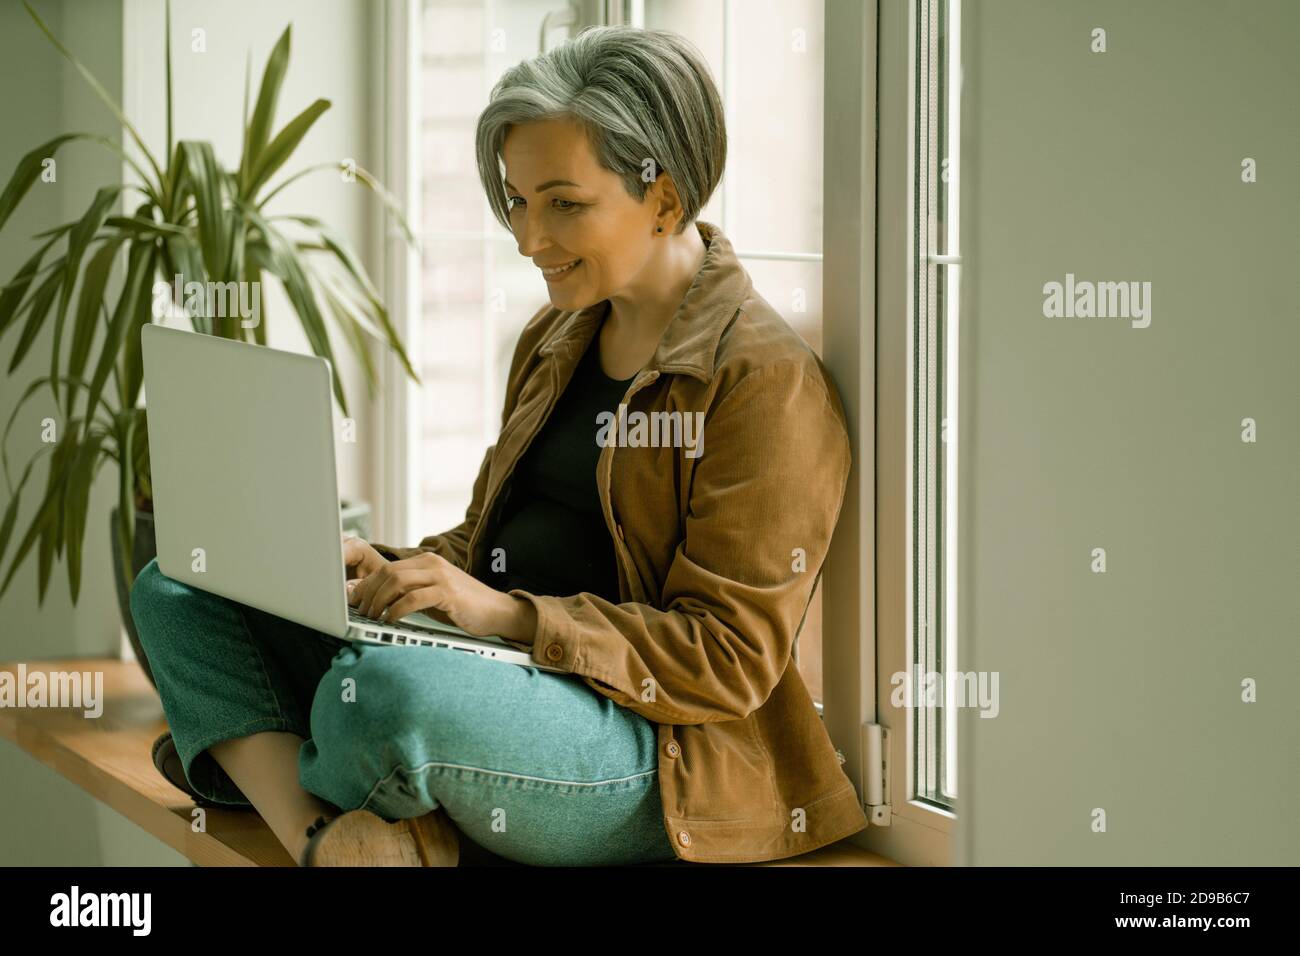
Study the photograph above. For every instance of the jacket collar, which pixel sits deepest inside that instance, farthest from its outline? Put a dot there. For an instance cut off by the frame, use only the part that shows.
(690, 341)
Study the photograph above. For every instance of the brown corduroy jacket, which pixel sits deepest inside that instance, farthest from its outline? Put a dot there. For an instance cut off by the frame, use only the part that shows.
(719, 546)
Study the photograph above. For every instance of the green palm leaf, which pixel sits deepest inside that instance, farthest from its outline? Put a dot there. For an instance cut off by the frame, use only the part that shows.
(204, 175)
(347, 317)
(141, 315)
(25, 173)
(43, 518)
(11, 512)
(279, 150)
(138, 268)
(76, 502)
(337, 245)
(126, 488)
(92, 294)
(258, 132)
(78, 239)
(13, 292)
(38, 307)
(51, 528)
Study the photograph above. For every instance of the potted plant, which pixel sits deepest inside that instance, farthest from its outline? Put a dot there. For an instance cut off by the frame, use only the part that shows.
(200, 226)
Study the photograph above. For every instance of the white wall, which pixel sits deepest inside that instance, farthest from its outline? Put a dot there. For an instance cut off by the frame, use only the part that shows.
(332, 56)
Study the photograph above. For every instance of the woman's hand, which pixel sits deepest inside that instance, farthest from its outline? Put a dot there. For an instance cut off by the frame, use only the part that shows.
(429, 582)
(359, 558)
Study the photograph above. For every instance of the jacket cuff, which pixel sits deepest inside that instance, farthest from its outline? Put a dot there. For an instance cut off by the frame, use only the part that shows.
(555, 641)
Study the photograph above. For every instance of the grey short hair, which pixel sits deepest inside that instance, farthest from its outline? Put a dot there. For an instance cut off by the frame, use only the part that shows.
(640, 94)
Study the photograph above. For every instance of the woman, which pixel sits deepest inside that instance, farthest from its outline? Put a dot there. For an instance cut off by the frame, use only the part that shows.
(667, 576)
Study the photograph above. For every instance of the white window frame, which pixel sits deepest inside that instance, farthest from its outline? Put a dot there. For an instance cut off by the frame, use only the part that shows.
(395, 43)
(920, 832)
(849, 318)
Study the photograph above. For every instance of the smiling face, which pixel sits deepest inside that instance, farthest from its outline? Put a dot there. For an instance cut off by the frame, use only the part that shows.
(565, 208)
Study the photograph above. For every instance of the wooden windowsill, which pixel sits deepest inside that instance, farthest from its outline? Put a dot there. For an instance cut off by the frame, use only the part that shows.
(109, 757)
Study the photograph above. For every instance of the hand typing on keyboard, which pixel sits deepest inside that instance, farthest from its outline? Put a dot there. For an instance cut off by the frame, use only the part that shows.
(430, 583)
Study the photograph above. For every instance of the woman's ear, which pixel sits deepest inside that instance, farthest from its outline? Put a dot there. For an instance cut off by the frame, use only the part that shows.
(668, 203)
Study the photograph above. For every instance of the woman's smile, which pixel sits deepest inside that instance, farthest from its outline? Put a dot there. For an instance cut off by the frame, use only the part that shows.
(559, 272)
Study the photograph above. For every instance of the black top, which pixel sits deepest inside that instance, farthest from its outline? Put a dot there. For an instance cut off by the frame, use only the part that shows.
(552, 530)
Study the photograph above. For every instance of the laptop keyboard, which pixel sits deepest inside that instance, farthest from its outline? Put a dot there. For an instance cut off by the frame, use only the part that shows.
(401, 635)
(355, 615)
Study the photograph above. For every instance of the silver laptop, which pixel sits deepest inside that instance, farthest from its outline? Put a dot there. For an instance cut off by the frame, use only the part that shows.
(246, 503)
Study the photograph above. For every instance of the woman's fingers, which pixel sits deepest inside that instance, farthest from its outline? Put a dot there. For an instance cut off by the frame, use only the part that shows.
(351, 555)
(387, 585)
(413, 601)
(369, 590)
(364, 589)
(359, 558)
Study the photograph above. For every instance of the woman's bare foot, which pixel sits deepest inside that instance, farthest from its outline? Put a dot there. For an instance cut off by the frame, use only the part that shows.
(265, 768)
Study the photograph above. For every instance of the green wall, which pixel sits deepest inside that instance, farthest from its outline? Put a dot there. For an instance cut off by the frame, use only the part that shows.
(1122, 690)
(44, 819)
(120, 41)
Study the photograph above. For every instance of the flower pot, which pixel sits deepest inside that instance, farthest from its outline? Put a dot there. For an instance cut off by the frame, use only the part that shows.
(146, 548)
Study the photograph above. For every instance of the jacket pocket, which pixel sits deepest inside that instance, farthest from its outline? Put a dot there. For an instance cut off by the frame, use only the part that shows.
(736, 772)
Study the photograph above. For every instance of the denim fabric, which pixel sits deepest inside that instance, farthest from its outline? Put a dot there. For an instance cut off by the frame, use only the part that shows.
(538, 768)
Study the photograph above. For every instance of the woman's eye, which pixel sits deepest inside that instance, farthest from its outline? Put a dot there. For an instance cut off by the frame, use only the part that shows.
(566, 207)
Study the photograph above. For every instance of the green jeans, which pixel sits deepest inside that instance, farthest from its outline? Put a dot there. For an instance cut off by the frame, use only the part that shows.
(535, 767)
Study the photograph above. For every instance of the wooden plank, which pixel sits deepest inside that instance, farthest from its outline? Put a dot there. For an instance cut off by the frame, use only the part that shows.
(109, 757)
(836, 854)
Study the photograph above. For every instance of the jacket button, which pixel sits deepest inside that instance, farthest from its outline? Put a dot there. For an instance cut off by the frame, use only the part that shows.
(672, 749)
(554, 652)
(683, 838)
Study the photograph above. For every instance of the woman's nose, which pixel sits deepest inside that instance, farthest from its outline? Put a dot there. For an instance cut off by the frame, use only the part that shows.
(530, 234)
